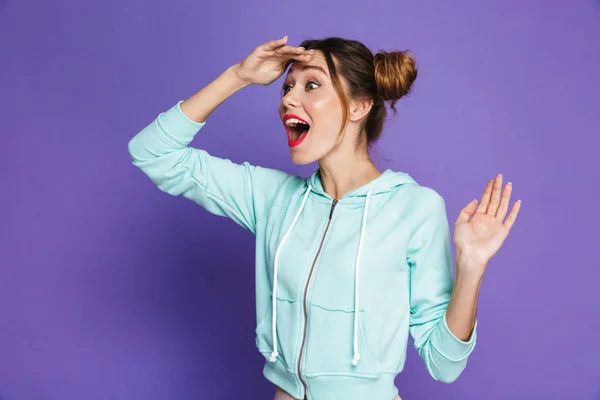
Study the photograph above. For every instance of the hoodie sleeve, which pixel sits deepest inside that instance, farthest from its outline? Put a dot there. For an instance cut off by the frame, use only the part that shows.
(430, 260)
(241, 192)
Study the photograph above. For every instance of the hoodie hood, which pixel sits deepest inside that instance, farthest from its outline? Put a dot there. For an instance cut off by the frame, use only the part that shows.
(386, 182)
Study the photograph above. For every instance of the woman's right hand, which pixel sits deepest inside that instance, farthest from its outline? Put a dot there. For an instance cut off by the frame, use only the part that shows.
(269, 61)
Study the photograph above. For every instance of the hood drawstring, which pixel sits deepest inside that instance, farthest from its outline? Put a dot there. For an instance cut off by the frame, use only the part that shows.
(356, 356)
(274, 354)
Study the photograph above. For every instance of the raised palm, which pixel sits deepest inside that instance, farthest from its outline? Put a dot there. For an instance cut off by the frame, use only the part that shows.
(269, 61)
(479, 231)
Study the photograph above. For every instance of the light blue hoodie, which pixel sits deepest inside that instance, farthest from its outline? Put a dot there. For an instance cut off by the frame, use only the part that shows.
(339, 284)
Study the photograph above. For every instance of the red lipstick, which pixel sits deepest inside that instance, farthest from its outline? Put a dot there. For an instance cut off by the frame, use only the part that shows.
(294, 143)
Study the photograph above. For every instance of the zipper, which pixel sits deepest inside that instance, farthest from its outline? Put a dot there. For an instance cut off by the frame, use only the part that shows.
(305, 298)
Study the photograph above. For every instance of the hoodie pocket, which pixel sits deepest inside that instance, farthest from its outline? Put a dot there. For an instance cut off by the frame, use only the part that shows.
(289, 313)
(262, 343)
(330, 345)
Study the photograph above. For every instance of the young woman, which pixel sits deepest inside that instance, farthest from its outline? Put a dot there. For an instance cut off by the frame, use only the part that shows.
(350, 260)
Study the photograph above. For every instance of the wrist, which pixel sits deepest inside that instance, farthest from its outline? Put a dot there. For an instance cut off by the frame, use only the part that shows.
(468, 278)
(468, 270)
(238, 81)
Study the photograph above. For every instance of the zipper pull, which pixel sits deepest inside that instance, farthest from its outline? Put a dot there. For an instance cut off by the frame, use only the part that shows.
(335, 201)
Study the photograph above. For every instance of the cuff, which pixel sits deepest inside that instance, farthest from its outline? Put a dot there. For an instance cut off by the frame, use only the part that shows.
(449, 345)
(178, 125)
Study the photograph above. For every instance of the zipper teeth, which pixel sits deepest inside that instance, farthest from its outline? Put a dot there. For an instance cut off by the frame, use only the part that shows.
(305, 305)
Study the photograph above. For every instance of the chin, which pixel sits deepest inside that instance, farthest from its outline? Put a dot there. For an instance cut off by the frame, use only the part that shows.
(301, 159)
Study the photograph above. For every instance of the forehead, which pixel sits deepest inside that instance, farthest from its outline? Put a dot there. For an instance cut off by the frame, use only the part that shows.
(318, 63)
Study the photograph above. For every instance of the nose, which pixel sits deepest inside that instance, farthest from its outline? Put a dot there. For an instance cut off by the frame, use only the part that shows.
(290, 99)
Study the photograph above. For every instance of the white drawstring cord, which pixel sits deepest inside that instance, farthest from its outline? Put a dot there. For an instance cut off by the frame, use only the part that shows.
(356, 356)
(274, 354)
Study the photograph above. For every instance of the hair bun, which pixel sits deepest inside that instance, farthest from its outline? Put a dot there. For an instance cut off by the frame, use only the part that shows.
(394, 73)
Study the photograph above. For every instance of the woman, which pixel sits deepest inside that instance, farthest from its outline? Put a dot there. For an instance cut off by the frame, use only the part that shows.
(350, 260)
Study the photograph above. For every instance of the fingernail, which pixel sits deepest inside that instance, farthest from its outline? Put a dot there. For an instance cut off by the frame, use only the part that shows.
(302, 48)
(509, 183)
(499, 174)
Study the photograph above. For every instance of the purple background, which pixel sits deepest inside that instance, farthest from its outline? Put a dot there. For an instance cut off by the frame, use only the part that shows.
(111, 289)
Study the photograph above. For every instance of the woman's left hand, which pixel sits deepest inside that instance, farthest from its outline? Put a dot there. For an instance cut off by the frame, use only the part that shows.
(480, 230)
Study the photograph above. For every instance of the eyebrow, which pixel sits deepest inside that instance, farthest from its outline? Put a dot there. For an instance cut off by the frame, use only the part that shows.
(311, 67)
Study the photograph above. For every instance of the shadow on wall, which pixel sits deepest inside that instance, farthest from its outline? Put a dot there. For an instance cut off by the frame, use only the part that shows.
(596, 7)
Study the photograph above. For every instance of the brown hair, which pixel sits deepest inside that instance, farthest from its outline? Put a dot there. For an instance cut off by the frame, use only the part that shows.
(385, 76)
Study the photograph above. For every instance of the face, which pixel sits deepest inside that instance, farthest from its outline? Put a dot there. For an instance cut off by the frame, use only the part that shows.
(310, 110)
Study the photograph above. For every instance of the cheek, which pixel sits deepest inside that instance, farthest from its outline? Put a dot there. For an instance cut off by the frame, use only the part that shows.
(326, 109)
(327, 118)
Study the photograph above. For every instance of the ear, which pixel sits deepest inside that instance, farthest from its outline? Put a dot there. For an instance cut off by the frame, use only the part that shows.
(359, 108)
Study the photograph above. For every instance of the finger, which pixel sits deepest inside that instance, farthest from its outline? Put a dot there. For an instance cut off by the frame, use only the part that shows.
(291, 53)
(301, 57)
(273, 44)
(467, 212)
(290, 58)
(289, 50)
(495, 197)
(485, 198)
(512, 217)
(505, 201)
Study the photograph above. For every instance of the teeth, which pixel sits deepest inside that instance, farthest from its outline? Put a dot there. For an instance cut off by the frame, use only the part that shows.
(294, 122)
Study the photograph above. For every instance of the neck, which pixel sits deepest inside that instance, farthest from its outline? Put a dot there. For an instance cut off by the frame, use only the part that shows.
(343, 171)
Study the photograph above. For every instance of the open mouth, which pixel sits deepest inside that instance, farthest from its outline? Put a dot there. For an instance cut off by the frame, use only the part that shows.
(297, 130)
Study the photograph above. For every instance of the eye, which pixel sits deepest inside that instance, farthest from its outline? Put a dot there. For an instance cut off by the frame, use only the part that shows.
(312, 83)
(285, 88)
